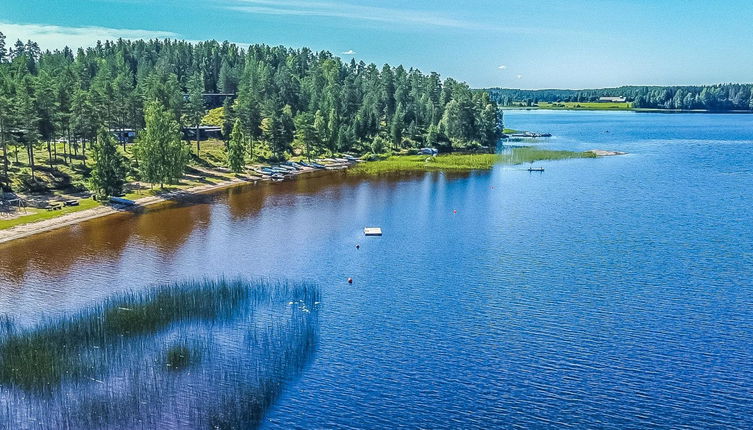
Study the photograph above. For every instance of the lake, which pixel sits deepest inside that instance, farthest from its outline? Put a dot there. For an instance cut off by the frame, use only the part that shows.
(602, 293)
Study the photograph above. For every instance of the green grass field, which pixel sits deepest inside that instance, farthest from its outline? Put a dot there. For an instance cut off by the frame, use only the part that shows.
(34, 214)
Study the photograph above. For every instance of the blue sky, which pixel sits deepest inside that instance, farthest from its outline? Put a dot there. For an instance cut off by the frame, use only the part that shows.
(507, 43)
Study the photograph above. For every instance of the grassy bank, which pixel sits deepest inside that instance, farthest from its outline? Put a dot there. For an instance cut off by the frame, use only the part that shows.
(420, 163)
(33, 214)
(528, 154)
(54, 172)
(57, 181)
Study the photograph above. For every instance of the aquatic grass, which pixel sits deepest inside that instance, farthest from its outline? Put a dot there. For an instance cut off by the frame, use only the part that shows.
(179, 357)
(49, 353)
(463, 162)
(528, 154)
(420, 163)
(120, 361)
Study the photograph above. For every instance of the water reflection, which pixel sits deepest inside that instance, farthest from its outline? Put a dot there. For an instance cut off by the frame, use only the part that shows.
(171, 228)
(167, 227)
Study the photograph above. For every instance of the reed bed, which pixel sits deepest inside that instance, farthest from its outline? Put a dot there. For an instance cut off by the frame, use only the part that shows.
(463, 162)
(528, 154)
(199, 354)
(419, 163)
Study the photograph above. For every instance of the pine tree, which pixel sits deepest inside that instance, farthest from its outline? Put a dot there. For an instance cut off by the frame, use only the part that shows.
(47, 110)
(489, 128)
(432, 136)
(305, 133)
(27, 120)
(124, 104)
(161, 155)
(195, 109)
(109, 171)
(320, 126)
(6, 119)
(270, 131)
(83, 120)
(236, 149)
(396, 128)
(3, 51)
(285, 132)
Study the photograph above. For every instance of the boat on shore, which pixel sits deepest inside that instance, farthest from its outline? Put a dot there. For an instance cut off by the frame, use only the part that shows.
(122, 201)
(530, 135)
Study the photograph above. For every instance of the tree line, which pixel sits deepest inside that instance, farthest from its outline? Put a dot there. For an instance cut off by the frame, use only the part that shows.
(277, 102)
(717, 98)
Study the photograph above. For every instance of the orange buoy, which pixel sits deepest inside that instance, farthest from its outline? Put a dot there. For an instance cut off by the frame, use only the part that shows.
(350, 280)
(454, 211)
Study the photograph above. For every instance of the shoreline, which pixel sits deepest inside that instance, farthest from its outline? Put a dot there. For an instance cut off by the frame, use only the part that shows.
(22, 231)
(639, 110)
(37, 227)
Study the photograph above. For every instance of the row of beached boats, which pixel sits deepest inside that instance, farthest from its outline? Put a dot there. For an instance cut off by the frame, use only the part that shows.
(280, 171)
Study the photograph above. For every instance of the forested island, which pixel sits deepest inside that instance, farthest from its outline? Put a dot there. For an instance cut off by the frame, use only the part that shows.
(713, 98)
(72, 109)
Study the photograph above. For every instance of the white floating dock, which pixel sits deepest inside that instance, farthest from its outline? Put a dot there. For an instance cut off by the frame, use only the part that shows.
(372, 231)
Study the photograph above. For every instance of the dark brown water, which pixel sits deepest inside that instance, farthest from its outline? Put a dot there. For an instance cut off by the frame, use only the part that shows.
(61, 270)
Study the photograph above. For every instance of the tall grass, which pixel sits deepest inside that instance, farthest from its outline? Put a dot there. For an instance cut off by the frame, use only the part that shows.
(420, 163)
(527, 154)
(462, 162)
(194, 354)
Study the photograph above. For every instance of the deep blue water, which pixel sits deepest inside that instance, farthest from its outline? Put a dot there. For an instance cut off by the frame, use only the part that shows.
(604, 293)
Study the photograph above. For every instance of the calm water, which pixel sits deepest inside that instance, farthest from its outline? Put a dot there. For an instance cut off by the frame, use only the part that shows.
(610, 293)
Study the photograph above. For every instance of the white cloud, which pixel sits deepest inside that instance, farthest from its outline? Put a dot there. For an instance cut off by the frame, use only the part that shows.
(352, 11)
(57, 37)
(502, 67)
(349, 52)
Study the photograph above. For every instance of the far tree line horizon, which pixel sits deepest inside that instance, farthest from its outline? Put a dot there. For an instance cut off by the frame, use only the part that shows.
(714, 98)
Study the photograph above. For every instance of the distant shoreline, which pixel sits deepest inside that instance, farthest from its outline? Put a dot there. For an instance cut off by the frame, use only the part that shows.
(640, 110)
